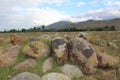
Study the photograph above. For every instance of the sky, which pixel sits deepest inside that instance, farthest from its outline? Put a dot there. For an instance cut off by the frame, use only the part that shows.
(18, 14)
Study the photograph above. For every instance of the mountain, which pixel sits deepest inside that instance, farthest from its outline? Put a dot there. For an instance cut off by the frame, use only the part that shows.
(61, 25)
(86, 24)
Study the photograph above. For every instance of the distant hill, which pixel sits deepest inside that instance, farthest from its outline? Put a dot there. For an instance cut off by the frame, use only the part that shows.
(61, 25)
(86, 24)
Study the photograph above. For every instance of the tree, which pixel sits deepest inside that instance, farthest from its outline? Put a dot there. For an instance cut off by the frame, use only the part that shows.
(23, 30)
(43, 27)
(112, 27)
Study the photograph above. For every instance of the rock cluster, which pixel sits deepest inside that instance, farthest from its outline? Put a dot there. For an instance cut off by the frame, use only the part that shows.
(78, 50)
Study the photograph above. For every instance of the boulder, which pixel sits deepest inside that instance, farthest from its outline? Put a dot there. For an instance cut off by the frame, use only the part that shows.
(55, 76)
(107, 61)
(8, 56)
(36, 49)
(82, 52)
(67, 38)
(59, 47)
(26, 76)
(71, 70)
(28, 63)
(15, 39)
(47, 65)
(88, 36)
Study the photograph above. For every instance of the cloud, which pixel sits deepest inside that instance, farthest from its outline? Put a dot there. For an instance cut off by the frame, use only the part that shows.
(31, 17)
(101, 14)
(112, 2)
(80, 4)
(26, 13)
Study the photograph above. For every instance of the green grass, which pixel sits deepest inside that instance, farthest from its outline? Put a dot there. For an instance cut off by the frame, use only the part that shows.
(5, 72)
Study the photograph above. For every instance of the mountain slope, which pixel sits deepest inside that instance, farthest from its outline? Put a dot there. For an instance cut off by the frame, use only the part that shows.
(86, 24)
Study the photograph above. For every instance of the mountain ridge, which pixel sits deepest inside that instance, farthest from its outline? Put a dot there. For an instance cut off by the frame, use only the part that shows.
(86, 24)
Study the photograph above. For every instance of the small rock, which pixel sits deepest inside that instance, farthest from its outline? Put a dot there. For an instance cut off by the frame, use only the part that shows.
(15, 39)
(47, 65)
(71, 71)
(59, 46)
(26, 76)
(87, 36)
(106, 61)
(37, 50)
(28, 63)
(55, 76)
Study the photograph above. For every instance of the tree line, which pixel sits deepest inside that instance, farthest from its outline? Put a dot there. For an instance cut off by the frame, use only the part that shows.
(43, 29)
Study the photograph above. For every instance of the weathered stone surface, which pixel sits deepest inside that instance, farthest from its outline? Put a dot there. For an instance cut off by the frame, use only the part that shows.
(92, 62)
(36, 49)
(26, 76)
(106, 61)
(28, 63)
(79, 50)
(55, 76)
(8, 56)
(82, 52)
(71, 70)
(15, 39)
(59, 46)
(88, 69)
(47, 65)
(88, 36)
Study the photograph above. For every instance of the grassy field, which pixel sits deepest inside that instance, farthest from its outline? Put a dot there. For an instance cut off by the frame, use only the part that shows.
(100, 43)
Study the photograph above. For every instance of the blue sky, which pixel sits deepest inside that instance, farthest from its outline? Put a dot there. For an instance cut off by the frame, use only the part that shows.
(29, 13)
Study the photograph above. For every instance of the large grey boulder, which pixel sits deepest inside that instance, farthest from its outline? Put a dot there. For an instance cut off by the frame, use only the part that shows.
(81, 52)
(55, 76)
(59, 47)
(26, 76)
(47, 65)
(71, 70)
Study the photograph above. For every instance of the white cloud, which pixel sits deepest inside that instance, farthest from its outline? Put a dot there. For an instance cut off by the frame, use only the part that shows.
(101, 14)
(112, 2)
(31, 17)
(80, 4)
(26, 14)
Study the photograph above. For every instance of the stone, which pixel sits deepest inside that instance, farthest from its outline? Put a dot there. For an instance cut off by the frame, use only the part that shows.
(88, 36)
(37, 50)
(82, 52)
(15, 39)
(55, 76)
(28, 63)
(107, 61)
(67, 38)
(79, 50)
(112, 44)
(71, 70)
(26, 76)
(8, 56)
(47, 65)
(59, 47)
